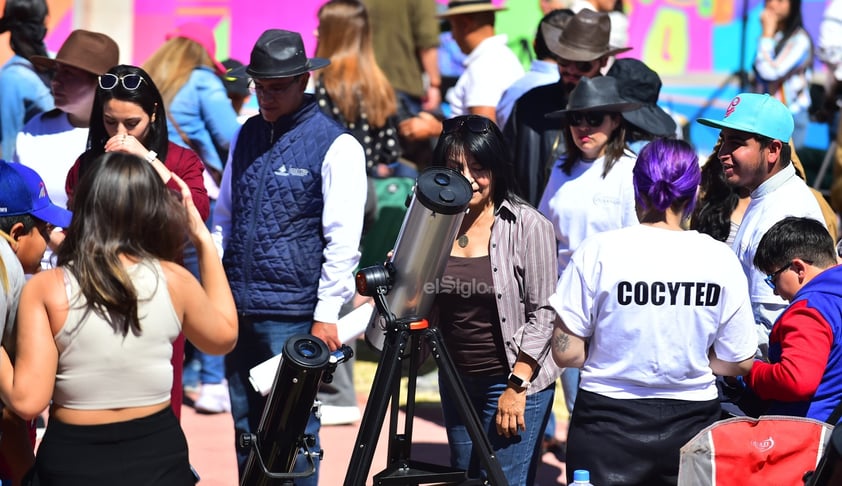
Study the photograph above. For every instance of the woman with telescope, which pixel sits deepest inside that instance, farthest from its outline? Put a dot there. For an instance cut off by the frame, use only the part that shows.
(491, 305)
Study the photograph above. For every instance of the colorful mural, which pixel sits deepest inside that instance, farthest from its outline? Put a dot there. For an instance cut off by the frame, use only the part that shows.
(680, 39)
(673, 36)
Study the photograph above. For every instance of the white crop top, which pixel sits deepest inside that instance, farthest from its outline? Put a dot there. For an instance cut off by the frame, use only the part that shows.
(100, 369)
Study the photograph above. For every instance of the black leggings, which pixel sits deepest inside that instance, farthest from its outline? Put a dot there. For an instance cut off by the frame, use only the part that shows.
(633, 442)
(143, 452)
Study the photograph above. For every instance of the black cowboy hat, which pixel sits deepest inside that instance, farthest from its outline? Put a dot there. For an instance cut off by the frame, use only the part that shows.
(279, 54)
(583, 38)
(597, 94)
(637, 83)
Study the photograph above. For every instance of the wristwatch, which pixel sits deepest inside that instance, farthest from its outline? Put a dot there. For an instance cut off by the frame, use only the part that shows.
(518, 381)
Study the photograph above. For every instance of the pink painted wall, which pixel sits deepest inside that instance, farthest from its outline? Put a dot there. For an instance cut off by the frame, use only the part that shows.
(673, 36)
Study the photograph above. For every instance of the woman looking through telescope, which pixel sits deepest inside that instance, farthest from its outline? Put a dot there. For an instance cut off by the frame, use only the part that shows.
(488, 305)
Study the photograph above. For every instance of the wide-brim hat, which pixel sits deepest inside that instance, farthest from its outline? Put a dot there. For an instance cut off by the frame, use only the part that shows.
(89, 51)
(759, 114)
(459, 7)
(279, 54)
(597, 94)
(637, 83)
(584, 37)
(202, 35)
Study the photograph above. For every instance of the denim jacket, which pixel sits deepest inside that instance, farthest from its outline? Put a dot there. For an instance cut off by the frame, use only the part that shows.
(203, 112)
(23, 94)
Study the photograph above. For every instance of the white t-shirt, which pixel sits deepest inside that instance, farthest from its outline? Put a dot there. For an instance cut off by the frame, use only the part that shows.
(784, 194)
(11, 296)
(489, 69)
(652, 302)
(584, 203)
(50, 145)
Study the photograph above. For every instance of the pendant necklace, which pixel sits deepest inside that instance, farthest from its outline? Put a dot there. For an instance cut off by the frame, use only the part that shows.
(462, 241)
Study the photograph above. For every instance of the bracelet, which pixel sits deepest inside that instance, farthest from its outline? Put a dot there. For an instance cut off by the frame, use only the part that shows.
(151, 156)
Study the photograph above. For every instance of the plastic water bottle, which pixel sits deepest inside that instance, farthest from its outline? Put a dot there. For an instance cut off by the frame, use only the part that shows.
(582, 477)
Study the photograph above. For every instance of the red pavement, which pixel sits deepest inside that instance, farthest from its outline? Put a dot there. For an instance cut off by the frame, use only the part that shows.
(211, 440)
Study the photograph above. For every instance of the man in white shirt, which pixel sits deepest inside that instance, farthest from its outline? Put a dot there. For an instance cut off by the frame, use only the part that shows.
(490, 68)
(755, 155)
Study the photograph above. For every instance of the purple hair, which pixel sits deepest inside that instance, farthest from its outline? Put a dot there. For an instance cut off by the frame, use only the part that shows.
(666, 172)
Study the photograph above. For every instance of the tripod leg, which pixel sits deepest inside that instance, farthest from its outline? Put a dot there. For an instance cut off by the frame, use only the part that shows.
(386, 379)
(472, 422)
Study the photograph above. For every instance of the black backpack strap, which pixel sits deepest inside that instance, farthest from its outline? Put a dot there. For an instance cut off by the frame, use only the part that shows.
(835, 415)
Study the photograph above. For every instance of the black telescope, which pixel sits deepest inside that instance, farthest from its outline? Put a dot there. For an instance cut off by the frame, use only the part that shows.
(280, 438)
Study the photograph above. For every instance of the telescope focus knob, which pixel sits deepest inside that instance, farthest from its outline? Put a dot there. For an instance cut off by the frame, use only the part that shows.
(247, 440)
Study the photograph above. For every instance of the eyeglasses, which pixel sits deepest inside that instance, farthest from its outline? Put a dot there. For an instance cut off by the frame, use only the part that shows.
(581, 66)
(274, 91)
(476, 124)
(129, 81)
(594, 119)
(770, 279)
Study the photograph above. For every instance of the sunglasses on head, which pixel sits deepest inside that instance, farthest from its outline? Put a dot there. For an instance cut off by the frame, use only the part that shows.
(129, 81)
(475, 124)
(581, 66)
(592, 118)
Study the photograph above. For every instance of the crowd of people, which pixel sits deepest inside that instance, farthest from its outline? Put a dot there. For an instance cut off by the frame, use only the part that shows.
(141, 214)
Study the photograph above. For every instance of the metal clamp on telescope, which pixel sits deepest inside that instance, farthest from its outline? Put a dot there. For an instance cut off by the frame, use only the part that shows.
(402, 293)
(280, 437)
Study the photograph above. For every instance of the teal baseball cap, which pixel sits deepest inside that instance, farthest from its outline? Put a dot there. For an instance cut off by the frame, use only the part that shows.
(759, 114)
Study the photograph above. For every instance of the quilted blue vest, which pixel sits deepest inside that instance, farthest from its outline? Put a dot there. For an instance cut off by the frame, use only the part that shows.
(273, 257)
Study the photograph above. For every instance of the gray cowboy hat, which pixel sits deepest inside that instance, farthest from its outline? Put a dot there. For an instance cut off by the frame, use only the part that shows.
(279, 54)
(597, 94)
(458, 7)
(583, 38)
(637, 83)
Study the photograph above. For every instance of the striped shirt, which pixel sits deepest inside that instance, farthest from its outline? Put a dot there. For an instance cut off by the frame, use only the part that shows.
(786, 75)
(524, 272)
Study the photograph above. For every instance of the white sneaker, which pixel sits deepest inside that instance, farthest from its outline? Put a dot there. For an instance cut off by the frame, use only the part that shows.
(213, 399)
(334, 415)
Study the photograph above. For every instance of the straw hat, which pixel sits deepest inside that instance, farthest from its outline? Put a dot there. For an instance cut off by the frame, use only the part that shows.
(458, 7)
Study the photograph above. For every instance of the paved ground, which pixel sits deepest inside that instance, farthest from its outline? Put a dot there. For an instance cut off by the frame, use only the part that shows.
(212, 447)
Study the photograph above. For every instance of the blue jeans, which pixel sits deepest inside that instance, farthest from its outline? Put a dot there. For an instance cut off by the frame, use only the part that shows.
(484, 392)
(260, 339)
(570, 385)
(211, 367)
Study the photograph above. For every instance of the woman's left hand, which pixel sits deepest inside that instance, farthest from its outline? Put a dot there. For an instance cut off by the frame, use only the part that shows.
(510, 409)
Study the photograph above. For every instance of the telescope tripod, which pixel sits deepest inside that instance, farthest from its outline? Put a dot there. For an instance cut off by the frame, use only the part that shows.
(403, 336)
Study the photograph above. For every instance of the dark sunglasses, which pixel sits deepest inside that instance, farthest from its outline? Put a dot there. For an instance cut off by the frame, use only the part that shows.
(594, 119)
(581, 66)
(475, 124)
(129, 81)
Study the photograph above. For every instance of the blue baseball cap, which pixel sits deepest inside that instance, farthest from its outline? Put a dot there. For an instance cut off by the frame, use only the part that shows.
(755, 113)
(22, 191)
